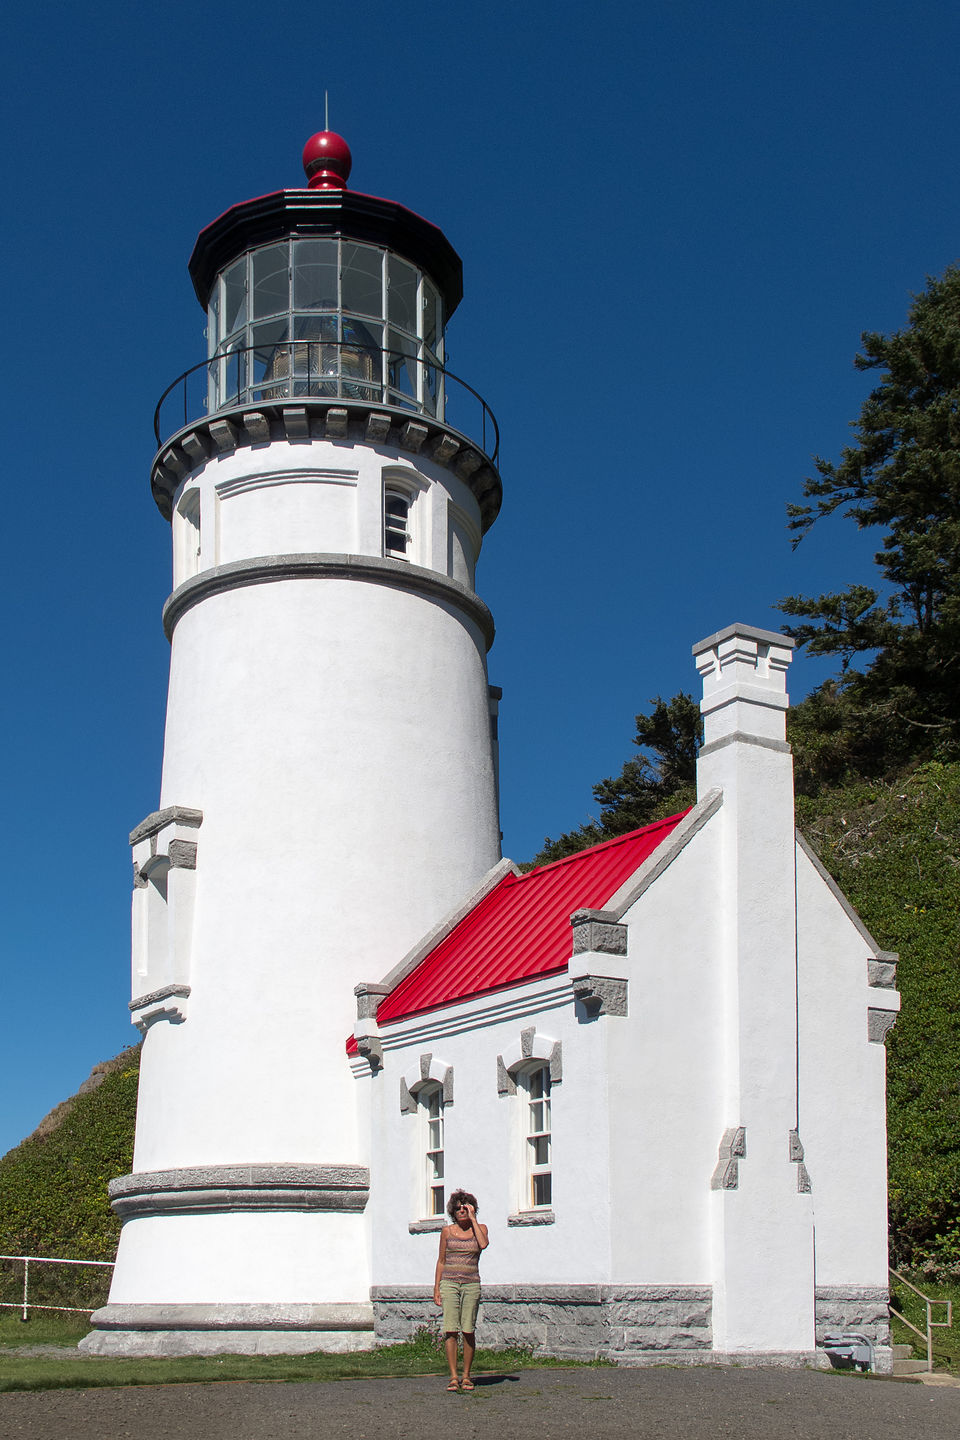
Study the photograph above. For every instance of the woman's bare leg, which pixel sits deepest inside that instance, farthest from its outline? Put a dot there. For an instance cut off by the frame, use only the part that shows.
(451, 1348)
(469, 1349)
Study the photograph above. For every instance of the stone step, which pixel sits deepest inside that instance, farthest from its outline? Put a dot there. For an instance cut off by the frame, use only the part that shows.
(909, 1367)
(902, 1352)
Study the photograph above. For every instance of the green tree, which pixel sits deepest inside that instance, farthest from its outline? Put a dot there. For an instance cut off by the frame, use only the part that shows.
(658, 783)
(902, 476)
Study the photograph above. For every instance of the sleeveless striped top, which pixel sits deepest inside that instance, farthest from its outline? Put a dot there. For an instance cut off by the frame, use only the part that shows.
(461, 1262)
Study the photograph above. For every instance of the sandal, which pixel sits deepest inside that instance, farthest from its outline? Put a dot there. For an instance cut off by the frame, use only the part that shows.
(455, 1385)
(467, 1385)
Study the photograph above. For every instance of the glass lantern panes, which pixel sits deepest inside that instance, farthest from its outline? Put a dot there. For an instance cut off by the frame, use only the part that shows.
(361, 279)
(233, 310)
(315, 264)
(270, 359)
(538, 1140)
(431, 1101)
(402, 368)
(328, 318)
(402, 294)
(271, 281)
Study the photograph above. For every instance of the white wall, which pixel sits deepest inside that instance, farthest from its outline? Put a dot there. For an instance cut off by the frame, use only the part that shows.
(325, 496)
(842, 1089)
(484, 1141)
(665, 1115)
(285, 1258)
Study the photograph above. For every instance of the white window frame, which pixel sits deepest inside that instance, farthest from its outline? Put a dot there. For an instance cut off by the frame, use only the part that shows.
(409, 486)
(393, 492)
(432, 1186)
(534, 1087)
(430, 1076)
(187, 552)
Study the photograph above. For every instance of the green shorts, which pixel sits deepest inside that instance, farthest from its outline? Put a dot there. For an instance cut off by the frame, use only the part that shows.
(461, 1300)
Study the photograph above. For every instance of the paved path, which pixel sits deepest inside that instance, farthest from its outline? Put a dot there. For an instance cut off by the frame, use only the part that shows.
(650, 1404)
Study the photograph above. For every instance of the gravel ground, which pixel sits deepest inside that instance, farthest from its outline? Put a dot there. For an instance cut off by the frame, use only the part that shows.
(689, 1404)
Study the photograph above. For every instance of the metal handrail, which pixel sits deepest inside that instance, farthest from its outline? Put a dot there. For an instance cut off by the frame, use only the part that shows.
(294, 349)
(932, 1324)
(26, 1303)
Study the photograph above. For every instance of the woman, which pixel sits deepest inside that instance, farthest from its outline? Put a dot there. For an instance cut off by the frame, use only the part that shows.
(456, 1285)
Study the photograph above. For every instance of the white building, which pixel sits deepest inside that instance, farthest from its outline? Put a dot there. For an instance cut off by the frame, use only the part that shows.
(658, 1063)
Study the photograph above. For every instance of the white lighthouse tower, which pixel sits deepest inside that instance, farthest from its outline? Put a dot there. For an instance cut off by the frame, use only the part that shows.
(329, 772)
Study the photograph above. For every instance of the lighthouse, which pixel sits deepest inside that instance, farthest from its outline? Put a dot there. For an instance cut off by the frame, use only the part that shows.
(329, 781)
(351, 1003)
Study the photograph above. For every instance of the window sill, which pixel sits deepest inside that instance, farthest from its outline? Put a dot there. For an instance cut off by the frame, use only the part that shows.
(532, 1217)
(427, 1227)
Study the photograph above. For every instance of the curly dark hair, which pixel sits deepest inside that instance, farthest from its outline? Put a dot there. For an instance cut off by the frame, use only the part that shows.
(458, 1198)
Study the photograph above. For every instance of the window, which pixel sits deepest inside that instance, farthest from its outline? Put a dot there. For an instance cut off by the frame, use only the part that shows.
(187, 537)
(430, 1102)
(396, 532)
(538, 1188)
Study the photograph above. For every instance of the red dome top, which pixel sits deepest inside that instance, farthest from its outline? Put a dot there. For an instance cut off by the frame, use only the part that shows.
(327, 161)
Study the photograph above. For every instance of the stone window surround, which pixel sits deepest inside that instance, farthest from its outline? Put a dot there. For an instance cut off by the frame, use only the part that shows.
(163, 842)
(533, 1050)
(532, 1046)
(427, 1069)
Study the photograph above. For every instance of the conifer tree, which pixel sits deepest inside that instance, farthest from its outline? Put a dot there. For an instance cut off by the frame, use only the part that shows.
(902, 476)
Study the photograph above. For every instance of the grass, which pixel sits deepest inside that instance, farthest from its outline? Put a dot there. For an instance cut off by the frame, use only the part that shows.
(946, 1343)
(53, 1372)
(44, 1327)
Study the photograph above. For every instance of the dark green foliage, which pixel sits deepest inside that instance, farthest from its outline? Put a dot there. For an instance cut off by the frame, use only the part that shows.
(838, 740)
(658, 784)
(893, 848)
(902, 475)
(53, 1187)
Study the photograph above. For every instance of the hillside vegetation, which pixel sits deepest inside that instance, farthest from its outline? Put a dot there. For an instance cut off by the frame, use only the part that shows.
(53, 1185)
(893, 847)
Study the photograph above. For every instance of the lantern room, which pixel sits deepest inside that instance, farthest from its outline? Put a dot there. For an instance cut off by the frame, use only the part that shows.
(326, 314)
(327, 317)
(326, 293)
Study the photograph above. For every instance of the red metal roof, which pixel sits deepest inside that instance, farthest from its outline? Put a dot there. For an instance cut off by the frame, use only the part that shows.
(521, 929)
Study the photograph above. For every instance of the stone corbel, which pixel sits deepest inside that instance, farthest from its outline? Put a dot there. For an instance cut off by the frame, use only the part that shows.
(733, 1148)
(366, 1031)
(600, 994)
(368, 1044)
(879, 1024)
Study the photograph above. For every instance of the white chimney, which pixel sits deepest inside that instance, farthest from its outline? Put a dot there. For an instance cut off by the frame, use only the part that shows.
(762, 1223)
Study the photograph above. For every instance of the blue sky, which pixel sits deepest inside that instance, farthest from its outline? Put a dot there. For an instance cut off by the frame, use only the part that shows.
(675, 219)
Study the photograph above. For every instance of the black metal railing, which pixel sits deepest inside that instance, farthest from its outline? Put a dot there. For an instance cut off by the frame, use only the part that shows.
(336, 370)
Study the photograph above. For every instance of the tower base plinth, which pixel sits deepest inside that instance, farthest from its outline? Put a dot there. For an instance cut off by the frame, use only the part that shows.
(170, 1330)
